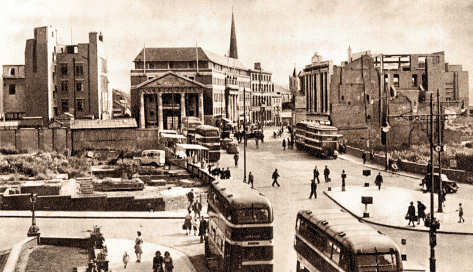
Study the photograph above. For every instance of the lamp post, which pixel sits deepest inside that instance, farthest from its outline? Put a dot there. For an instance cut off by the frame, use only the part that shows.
(244, 135)
(34, 229)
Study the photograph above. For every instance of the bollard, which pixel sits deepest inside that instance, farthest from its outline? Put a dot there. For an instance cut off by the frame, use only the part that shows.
(367, 184)
(329, 188)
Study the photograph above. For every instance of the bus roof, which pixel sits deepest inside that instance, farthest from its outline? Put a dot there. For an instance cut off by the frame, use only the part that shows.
(316, 125)
(206, 127)
(349, 231)
(240, 195)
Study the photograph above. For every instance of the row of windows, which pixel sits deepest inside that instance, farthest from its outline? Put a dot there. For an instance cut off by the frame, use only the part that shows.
(262, 88)
(260, 77)
(80, 105)
(79, 86)
(79, 69)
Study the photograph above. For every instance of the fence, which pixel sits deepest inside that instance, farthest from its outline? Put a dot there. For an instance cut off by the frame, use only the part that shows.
(417, 168)
(62, 139)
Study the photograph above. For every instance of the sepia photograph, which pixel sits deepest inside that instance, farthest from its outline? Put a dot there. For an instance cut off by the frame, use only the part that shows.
(236, 136)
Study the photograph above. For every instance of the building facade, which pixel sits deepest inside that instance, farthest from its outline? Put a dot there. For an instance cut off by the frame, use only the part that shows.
(13, 96)
(315, 82)
(66, 78)
(262, 98)
(165, 101)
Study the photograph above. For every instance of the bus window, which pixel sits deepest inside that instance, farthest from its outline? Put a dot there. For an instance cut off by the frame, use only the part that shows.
(376, 262)
(257, 253)
(335, 253)
(344, 260)
(251, 216)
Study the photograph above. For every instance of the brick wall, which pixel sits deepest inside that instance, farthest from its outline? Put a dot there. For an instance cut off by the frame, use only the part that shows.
(31, 140)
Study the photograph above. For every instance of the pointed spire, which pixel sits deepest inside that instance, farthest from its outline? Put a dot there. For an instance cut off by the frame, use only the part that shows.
(294, 72)
(233, 42)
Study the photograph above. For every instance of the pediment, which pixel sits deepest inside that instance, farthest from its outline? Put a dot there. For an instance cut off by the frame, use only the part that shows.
(171, 80)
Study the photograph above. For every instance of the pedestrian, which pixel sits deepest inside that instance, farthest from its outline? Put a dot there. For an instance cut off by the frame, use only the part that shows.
(190, 198)
(138, 246)
(344, 177)
(227, 173)
(202, 228)
(222, 174)
(284, 144)
(250, 179)
(313, 189)
(372, 155)
(411, 214)
(363, 156)
(420, 212)
(275, 178)
(460, 213)
(209, 168)
(235, 158)
(316, 174)
(256, 142)
(126, 259)
(379, 180)
(327, 174)
(168, 264)
(158, 261)
(195, 224)
(187, 226)
(197, 207)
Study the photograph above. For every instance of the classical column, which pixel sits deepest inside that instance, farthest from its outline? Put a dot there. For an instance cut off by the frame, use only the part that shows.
(142, 110)
(201, 107)
(183, 105)
(160, 111)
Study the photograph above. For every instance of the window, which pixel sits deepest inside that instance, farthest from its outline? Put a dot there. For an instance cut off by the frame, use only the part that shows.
(79, 86)
(79, 69)
(12, 89)
(80, 105)
(64, 86)
(65, 105)
(396, 80)
(376, 262)
(64, 69)
(12, 71)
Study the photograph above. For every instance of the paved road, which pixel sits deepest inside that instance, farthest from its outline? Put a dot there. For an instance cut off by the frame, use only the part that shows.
(295, 168)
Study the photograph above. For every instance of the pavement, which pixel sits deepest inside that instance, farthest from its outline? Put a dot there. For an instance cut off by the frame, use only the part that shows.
(390, 204)
(117, 247)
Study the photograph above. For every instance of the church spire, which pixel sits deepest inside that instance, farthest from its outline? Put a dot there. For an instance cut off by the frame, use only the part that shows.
(233, 42)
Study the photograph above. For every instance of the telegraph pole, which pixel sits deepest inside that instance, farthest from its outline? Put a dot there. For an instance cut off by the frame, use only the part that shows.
(244, 134)
(432, 230)
(439, 149)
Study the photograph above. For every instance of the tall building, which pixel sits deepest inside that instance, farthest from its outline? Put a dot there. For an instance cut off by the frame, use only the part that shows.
(223, 80)
(262, 101)
(315, 81)
(13, 97)
(66, 78)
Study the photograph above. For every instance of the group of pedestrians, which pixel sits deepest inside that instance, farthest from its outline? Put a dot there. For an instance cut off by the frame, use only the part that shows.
(160, 263)
(411, 215)
(194, 220)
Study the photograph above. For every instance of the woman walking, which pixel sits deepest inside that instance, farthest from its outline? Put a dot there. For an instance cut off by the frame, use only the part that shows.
(168, 265)
(138, 247)
(158, 261)
(187, 223)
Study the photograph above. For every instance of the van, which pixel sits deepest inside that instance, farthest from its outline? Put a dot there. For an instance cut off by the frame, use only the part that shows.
(152, 157)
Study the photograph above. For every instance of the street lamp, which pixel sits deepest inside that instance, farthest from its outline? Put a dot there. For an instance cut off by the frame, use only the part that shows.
(244, 134)
(34, 229)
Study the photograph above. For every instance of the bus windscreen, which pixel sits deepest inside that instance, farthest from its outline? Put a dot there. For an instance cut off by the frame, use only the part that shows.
(381, 262)
(252, 216)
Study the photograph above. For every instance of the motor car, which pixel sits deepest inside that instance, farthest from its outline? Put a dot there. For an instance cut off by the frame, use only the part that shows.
(224, 142)
(152, 157)
(233, 148)
(449, 186)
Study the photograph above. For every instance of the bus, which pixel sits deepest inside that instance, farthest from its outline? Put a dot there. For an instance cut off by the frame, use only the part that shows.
(318, 139)
(332, 240)
(209, 137)
(240, 233)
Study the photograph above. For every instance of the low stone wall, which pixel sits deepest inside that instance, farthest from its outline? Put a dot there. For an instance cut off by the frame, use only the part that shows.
(460, 176)
(79, 242)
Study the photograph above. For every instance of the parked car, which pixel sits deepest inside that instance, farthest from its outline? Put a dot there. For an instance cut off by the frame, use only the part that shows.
(152, 157)
(224, 142)
(448, 185)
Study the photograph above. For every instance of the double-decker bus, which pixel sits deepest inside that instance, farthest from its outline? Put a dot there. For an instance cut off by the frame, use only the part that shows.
(332, 240)
(240, 233)
(209, 137)
(318, 139)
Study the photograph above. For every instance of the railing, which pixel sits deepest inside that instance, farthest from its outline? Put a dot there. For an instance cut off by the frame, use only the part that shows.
(200, 173)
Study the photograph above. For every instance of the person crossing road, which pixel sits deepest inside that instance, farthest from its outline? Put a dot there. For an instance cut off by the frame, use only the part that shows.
(275, 178)
(313, 189)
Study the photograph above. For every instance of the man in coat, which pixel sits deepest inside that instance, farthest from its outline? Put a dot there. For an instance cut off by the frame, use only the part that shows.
(326, 174)
(379, 180)
(250, 179)
(275, 178)
(411, 214)
(420, 212)
(316, 174)
(344, 177)
(235, 158)
(313, 189)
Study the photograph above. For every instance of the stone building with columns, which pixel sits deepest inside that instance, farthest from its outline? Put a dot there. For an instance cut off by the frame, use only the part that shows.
(163, 102)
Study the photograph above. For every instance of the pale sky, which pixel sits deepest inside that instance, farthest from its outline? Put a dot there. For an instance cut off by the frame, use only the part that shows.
(279, 34)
